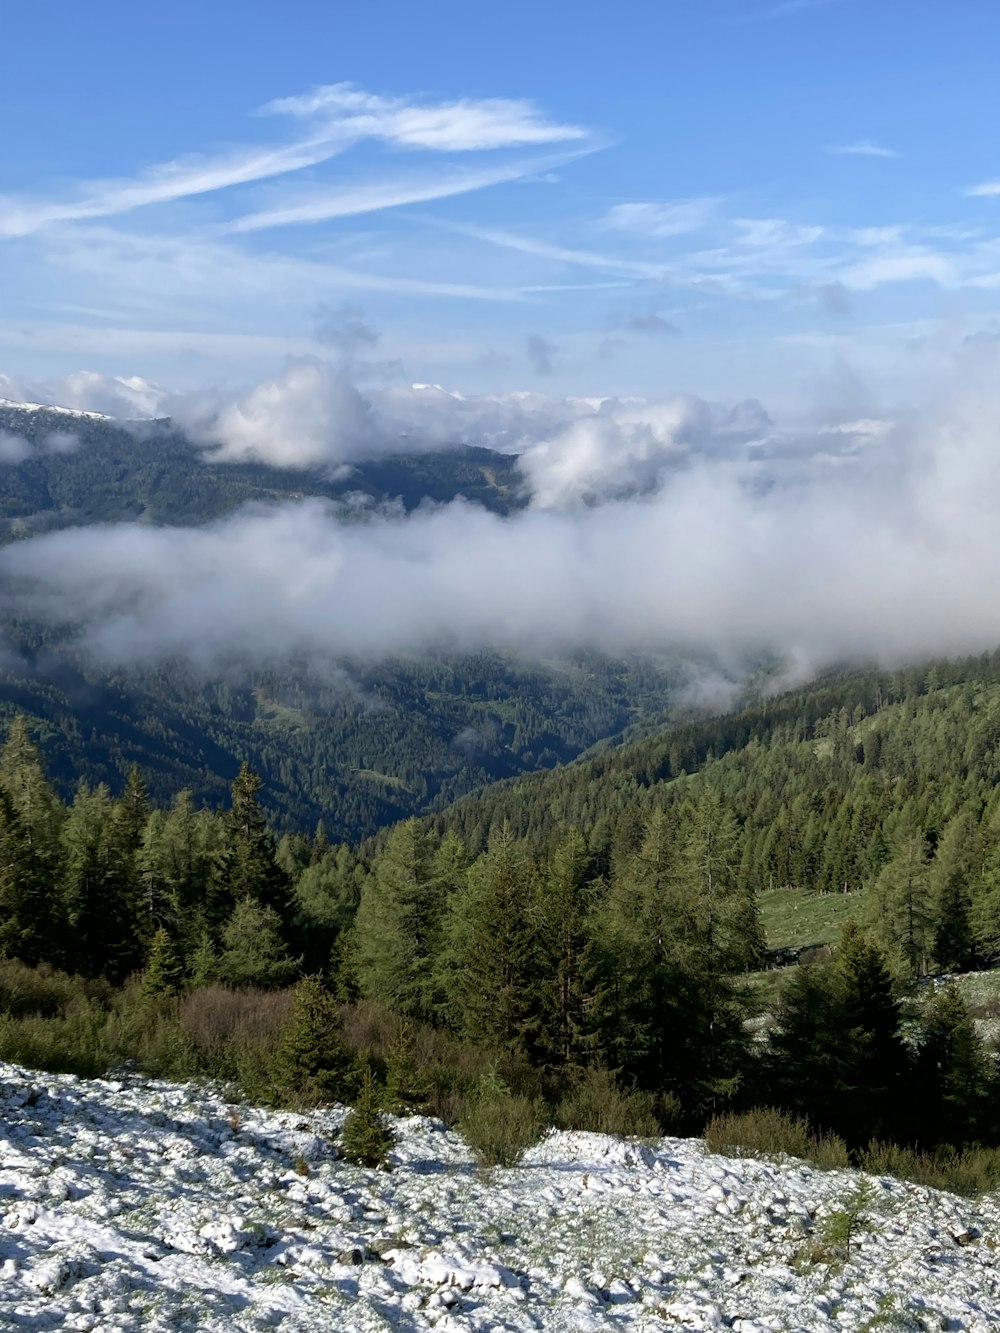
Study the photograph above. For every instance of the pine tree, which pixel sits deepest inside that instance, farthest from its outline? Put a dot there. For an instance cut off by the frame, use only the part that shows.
(952, 1072)
(313, 1063)
(247, 868)
(38, 808)
(874, 1061)
(563, 903)
(952, 872)
(164, 972)
(104, 938)
(490, 955)
(367, 1138)
(254, 953)
(398, 923)
(28, 923)
(901, 904)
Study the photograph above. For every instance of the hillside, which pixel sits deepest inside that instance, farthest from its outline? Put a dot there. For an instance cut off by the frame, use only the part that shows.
(142, 1205)
(359, 745)
(105, 471)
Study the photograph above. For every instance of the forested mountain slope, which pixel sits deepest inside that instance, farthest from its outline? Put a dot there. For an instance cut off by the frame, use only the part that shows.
(360, 745)
(102, 471)
(886, 782)
(366, 746)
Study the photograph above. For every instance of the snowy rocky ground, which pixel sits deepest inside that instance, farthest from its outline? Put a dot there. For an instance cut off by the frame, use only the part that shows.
(132, 1204)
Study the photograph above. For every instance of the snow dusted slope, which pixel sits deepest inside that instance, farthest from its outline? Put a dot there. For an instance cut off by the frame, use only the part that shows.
(140, 1205)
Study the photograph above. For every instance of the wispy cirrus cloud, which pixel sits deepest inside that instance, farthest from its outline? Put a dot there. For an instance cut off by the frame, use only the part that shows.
(784, 9)
(354, 201)
(986, 190)
(862, 148)
(337, 118)
(672, 218)
(637, 269)
(465, 125)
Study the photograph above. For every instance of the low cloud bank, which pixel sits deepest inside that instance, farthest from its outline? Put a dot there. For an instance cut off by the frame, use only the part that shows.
(573, 451)
(864, 540)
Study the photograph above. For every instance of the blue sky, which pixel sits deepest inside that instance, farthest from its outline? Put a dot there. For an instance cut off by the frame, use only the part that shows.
(729, 198)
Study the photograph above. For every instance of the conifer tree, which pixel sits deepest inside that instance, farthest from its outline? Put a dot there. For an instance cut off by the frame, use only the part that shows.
(952, 872)
(952, 1072)
(164, 971)
(27, 910)
(102, 913)
(489, 960)
(901, 904)
(38, 808)
(396, 931)
(563, 904)
(247, 868)
(367, 1138)
(313, 1063)
(254, 953)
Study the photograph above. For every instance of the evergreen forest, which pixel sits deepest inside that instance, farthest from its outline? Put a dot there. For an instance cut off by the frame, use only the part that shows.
(588, 941)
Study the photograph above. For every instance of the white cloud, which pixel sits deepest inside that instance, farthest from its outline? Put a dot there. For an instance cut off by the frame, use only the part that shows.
(466, 125)
(310, 416)
(87, 391)
(673, 218)
(862, 148)
(562, 254)
(339, 116)
(13, 448)
(888, 548)
(987, 190)
(323, 205)
(162, 184)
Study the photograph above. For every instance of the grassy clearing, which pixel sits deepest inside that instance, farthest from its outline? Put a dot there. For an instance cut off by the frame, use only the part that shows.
(795, 919)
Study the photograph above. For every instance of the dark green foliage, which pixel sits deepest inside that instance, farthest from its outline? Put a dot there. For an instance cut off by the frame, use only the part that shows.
(490, 956)
(396, 933)
(313, 1064)
(367, 1138)
(253, 952)
(953, 1072)
(498, 1125)
(837, 1054)
(164, 972)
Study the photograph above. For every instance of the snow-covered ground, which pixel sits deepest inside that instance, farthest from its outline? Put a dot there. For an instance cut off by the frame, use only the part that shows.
(133, 1204)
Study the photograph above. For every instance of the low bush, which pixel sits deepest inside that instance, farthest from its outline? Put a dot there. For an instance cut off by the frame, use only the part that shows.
(969, 1171)
(768, 1132)
(598, 1105)
(498, 1125)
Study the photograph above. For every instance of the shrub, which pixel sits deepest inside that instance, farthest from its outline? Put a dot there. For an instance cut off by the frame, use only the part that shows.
(597, 1104)
(969, 1171)
(768, 1132)
(367, 1138)
(498, 1126)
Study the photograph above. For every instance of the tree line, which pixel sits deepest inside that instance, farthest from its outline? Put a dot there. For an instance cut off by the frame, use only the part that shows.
(627, 959)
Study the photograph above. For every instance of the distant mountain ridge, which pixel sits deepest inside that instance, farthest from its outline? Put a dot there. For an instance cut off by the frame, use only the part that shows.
(150, 472)
(368, 745)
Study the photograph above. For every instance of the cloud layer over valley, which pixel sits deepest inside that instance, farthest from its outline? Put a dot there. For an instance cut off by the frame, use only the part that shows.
(674, 526)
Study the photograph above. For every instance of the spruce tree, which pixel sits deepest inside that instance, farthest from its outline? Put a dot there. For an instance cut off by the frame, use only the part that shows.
(164, 971)
(247, 866)
(490, 957)
(254, 953)
(398, 923)
(367, 1138)
(952, 872)
(900, 912)
(313, 1064)
(104, 936)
